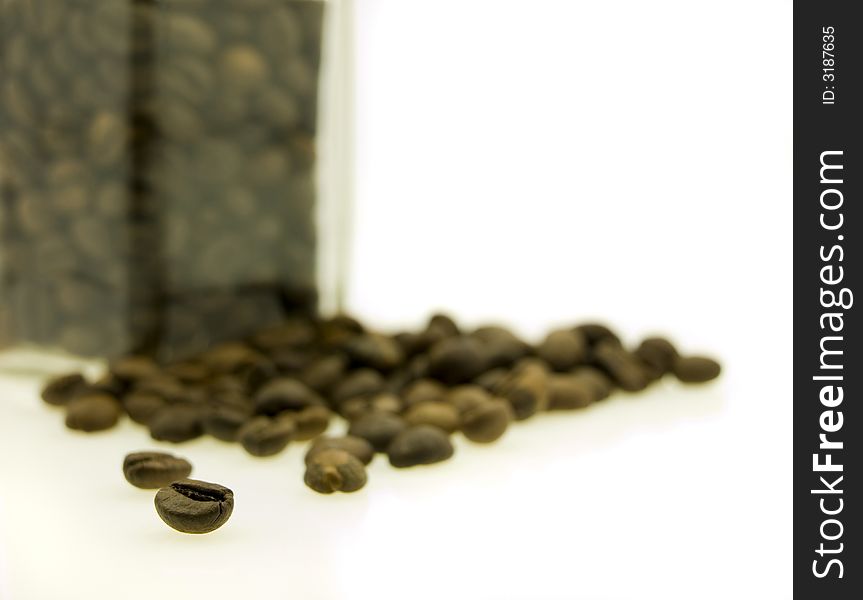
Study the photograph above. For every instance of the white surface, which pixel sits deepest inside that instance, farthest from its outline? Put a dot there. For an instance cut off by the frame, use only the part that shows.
(532, 162)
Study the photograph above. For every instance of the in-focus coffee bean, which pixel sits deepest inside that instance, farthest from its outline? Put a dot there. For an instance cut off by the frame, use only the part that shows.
(153, 470)
(192, 506)
(419, 445)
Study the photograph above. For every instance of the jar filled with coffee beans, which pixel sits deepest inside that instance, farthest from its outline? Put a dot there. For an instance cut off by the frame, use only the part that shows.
(159, 172)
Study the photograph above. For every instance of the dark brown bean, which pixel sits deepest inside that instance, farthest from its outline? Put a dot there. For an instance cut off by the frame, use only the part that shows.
(333, 470)
(488, 421)
(141, 406)
(177, 423)
(440, 414)
(567, 392)
(285, 394)
(419, 445)
(191, 506)
(696, 369)
(265, 436)
(623, 367)
(224, 422)
(457, 360)
(311, 422)
(526, 389)
(356, 446)
(378, 428)
(60, 390)
(92, 412)
(152, 470)
(563, 349)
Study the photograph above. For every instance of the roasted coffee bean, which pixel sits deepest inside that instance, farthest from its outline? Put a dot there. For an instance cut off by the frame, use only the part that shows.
(445, 324)
(323, 374)
(258, 375)
(133, 368)
(163, 386)
(378, 428)
(192, 506)
(457, 360)
(502, 347)
(224, 422)
(177, 423)
(359, 383)
(526, 389)
(311, 422)
(265, 436)
(623, 367)
(290, 334)
(423, 390)
(141, 406)
(563, 349)
(356, 407)
(92, 412)
(600, 384)
(111, 385)
(596, 332)
(566, 392)
(356, 446)
(188, 372)
(334, 470)
(375, 351)
(153, 470)
(230, 358)
(491, 379)
(285, 394)
(419, 445)
(466, 397)
(657, 354)
(440, 414)
(488, 421)
(60, 390)
(696, 369)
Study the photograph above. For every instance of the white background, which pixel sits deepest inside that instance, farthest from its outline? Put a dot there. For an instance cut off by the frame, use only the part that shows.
(533, 163)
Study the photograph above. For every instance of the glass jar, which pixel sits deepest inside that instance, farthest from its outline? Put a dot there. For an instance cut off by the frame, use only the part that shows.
(172, 173)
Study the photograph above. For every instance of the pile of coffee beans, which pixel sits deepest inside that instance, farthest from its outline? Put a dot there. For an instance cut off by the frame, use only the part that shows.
(157, 165)
(403, 395)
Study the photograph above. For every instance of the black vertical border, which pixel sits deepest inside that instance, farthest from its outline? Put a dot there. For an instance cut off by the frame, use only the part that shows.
(820, 127)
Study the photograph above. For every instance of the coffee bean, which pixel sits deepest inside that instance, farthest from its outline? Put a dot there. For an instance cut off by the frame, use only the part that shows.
(600, 384)
(192, 506)
(323, 374)
(60, 390)
(92, 412)
(356, 407)
(142, 406)
(224, 422)
(161, 385)
(290, 334)
(491, 379)
(419, 445)
(467, 397)
(378, 429)
(243, 67)
(153, 470)
(488, 421)
(177, 423)
(658, 355)
(423, 390)
(362, 382)
(375, 351)
(285, 394)
(567, 392)
(526, 389)
(623, 367)
(502, 347)
(457, 360)
(356, 446)
(596, 332)
(265, 436)
(440, 414)
(334, 470)
(133, 368)
(563, 349)
(696, 369)
(311, 422)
